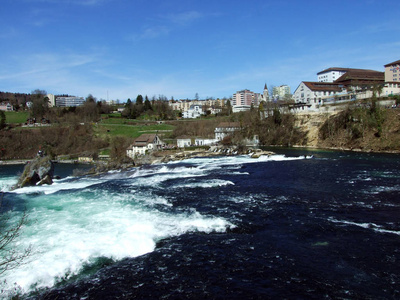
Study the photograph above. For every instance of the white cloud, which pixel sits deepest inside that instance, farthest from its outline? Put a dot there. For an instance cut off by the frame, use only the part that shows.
(75, 2)
(150, 33)
(56, 72)
(185, 18)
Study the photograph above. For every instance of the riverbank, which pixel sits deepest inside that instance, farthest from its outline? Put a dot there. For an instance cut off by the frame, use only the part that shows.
(25, 161)
(166, 156)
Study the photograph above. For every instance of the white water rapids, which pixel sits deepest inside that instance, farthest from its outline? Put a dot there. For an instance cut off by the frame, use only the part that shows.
(78, 220)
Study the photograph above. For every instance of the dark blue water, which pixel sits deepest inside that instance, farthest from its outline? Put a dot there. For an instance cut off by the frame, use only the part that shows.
(321, 228)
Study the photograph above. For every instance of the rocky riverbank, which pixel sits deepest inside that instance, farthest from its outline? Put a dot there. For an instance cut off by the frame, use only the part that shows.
(166, 156)
(176, 155)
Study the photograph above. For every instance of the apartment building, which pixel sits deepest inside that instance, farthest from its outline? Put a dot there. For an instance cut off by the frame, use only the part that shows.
(392, 78)
(392, 72)
(279, 92)
(69, 101)
(331, 74)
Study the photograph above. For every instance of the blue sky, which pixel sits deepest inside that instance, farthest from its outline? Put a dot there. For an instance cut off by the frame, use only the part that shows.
(177, 48)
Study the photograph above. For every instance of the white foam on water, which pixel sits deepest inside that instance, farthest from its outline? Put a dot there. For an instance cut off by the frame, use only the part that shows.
(71, 229)
(7, 182)
(382, 189)
(372, 226)
(58, 185)
(218, 162)
(76, 220)
(205, 184)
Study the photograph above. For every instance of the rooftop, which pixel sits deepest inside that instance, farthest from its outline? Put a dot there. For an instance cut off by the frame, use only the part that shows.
(323, 86)
(397, 62)
(361, 75)
(343, 69)
(144, 139)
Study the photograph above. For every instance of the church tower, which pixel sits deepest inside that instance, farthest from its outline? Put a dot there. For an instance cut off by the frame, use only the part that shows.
(265, 93)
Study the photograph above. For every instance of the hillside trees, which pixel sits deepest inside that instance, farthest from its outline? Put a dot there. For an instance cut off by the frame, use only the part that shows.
(40, 104)
(90, 111)
(278, 128)
(2, 119)
(56, 140)
(147, 104)
(358, 127)
(157, 109)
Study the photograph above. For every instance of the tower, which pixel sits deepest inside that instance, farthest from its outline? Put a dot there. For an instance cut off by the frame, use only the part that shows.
(265, 93)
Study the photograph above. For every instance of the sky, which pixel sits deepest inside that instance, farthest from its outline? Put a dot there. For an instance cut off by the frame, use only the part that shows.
(118, 49)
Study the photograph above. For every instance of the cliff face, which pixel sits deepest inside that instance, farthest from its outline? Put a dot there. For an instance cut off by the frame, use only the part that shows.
(353, 129)
(310, 124)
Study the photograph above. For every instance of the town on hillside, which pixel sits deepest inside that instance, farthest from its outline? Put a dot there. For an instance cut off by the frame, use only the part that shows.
(335, 89)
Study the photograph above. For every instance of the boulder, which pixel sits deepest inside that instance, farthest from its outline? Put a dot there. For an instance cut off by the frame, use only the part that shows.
(38, 171)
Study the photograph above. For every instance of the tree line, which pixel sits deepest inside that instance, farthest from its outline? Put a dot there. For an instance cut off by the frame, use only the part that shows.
(157, 109)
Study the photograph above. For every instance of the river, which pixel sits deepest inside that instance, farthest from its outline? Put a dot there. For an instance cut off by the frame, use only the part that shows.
(300, 224)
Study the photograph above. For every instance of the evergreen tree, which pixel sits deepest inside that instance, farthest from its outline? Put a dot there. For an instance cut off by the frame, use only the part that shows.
(139, 100)
(147, 104)
(40, 104)
(2, 119)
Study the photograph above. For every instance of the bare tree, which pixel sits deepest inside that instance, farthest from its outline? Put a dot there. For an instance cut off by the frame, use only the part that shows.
(40, 104)
(10, 258)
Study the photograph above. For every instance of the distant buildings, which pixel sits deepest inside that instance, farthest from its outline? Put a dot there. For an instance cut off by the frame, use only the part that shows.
(340, 84)
(309, 95)
(52, 100)
(212, 105)
(331, 74)
(280, 92)
(226, 129)
(144, 143)
(5, 106)
(244, 99)
(392, 72)
(392, 78)
(69, 101)
(193, 112)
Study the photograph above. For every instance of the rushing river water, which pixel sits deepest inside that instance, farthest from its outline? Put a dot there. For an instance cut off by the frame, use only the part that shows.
(296, 225)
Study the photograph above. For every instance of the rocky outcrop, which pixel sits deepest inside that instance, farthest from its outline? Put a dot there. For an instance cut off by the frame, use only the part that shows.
(39, 171)
(167, 156)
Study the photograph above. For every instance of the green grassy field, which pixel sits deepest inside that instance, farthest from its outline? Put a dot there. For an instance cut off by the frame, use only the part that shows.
(13, 117)
(132, 131)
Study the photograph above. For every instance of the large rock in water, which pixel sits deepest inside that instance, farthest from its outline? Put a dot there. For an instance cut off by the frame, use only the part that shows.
(37, 172)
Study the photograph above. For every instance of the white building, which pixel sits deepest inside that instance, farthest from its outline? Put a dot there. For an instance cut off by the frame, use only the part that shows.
(193, 112)
(331, 74)
(225, 129)
(264, 96)
(279, 92)
(183, 142)
(69, 101)
(310, 95)
(204, 142)
(5, 106)
(144, 143)
(52, 100)
(239, 108)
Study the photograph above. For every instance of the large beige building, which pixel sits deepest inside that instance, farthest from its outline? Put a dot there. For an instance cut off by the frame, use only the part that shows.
(392, 78)
(392, 71)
